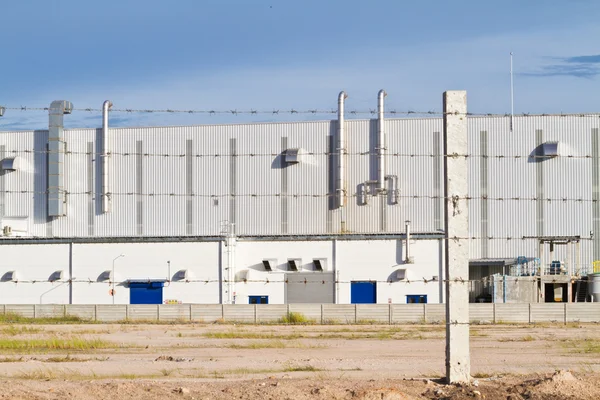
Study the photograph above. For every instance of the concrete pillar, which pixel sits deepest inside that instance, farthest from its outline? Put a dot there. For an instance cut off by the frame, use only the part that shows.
(458, 363)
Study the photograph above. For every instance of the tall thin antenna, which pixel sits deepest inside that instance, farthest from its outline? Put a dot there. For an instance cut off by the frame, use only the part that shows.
(512, 97)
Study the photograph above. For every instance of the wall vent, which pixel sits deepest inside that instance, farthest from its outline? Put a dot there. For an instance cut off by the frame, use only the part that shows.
(10, 276)
(12, 164)
(294, 264)
(320, 264)
(269, 264)
(57, 276)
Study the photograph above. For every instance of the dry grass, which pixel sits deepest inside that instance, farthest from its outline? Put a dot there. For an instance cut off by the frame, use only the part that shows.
(13, 318)
(583, 346)
(11, 359)
(526, 338)
(301, 368)
(55, 343)
(14, 330)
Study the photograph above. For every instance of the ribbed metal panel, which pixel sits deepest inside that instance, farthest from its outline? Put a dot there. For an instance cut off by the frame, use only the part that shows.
(178, 181)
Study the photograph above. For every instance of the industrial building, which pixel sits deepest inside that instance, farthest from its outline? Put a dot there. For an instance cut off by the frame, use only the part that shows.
(334, 211)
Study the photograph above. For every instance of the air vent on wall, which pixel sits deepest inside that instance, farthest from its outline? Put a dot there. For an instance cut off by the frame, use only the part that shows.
(320, 264)
(269, 264)
(294, 264)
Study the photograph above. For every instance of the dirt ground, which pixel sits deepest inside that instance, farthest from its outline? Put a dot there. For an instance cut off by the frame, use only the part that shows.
(214, 361)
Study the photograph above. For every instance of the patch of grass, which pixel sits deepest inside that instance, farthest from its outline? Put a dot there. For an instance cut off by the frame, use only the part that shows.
(55, 343)
(249, 335)
(526, 338)
(167, 371)
(14, 330)
(11, 359)
(583, 346)
(271, 344)
(481, 375)
(69, 358)
(302, 368)
(295, 318)
(247, 371)
(14, 318)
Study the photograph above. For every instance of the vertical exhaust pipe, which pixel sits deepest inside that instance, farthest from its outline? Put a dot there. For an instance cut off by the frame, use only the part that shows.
(341, 148)
(408, 259)
(381, 141)
(105, 184)
(57, 197)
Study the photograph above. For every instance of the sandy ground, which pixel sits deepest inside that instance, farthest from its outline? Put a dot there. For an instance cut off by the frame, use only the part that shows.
(297, 362)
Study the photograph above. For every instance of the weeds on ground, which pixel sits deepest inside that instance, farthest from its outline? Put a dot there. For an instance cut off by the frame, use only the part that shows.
(301, 368)
(55, 343)
(526, 338)
(13, 330)
(295, 318)
(14, 318)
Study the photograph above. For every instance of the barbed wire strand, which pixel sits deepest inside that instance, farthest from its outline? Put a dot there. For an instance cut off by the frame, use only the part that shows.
(292, 111)
(304, 195)
(265, 281)
(282, 153)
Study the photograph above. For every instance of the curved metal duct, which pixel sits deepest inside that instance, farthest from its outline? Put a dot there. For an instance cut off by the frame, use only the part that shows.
(56, 156)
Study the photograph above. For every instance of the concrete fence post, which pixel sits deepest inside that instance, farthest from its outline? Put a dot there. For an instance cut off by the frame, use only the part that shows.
(390, 316)
(64, 311)
(95, 312)
(223, 312)
(158, 312)
(190, 312)
(255, 317)
(35, 311)
(566, 314)
(494, 312)
(456, 221)
(425, 313)
(322, 314)
(530, 316)
(356, 313)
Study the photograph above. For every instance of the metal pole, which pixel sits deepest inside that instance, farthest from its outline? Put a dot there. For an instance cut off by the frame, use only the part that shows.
(113, 276)
(456, 191)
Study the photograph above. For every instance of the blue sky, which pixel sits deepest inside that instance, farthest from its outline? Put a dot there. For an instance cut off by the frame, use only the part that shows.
(280, 54)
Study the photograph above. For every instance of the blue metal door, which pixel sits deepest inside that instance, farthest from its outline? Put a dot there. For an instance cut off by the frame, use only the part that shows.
(258, 299)
(363, 292)
(146, 292)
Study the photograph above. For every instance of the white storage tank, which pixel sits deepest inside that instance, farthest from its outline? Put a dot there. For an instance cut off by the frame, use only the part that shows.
(594, 287)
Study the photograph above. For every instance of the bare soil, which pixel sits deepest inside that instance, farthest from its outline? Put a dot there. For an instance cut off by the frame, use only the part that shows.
(200, 361)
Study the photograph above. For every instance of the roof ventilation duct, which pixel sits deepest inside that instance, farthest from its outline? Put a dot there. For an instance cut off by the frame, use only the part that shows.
(2, 111)
(56, 157)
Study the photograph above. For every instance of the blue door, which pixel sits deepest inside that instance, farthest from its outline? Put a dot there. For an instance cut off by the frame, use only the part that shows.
(258, 299)
(363, 292)
(416, 298)
(146, 292)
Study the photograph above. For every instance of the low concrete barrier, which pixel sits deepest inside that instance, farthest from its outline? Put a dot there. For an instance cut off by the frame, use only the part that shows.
(318, 313)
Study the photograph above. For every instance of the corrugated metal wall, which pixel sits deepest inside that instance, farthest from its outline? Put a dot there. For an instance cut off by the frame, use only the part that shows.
(178, 181)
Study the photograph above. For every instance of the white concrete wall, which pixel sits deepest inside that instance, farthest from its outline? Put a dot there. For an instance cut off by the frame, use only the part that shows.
(249, 256)
(147, 261)
(34, 265)
(356, 260)
(379, 259)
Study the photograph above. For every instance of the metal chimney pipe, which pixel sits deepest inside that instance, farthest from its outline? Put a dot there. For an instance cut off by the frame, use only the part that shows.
(381, 142)
(2, 111)
(407, 258)
(105, 184)
(56, 157)
(341, 148)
